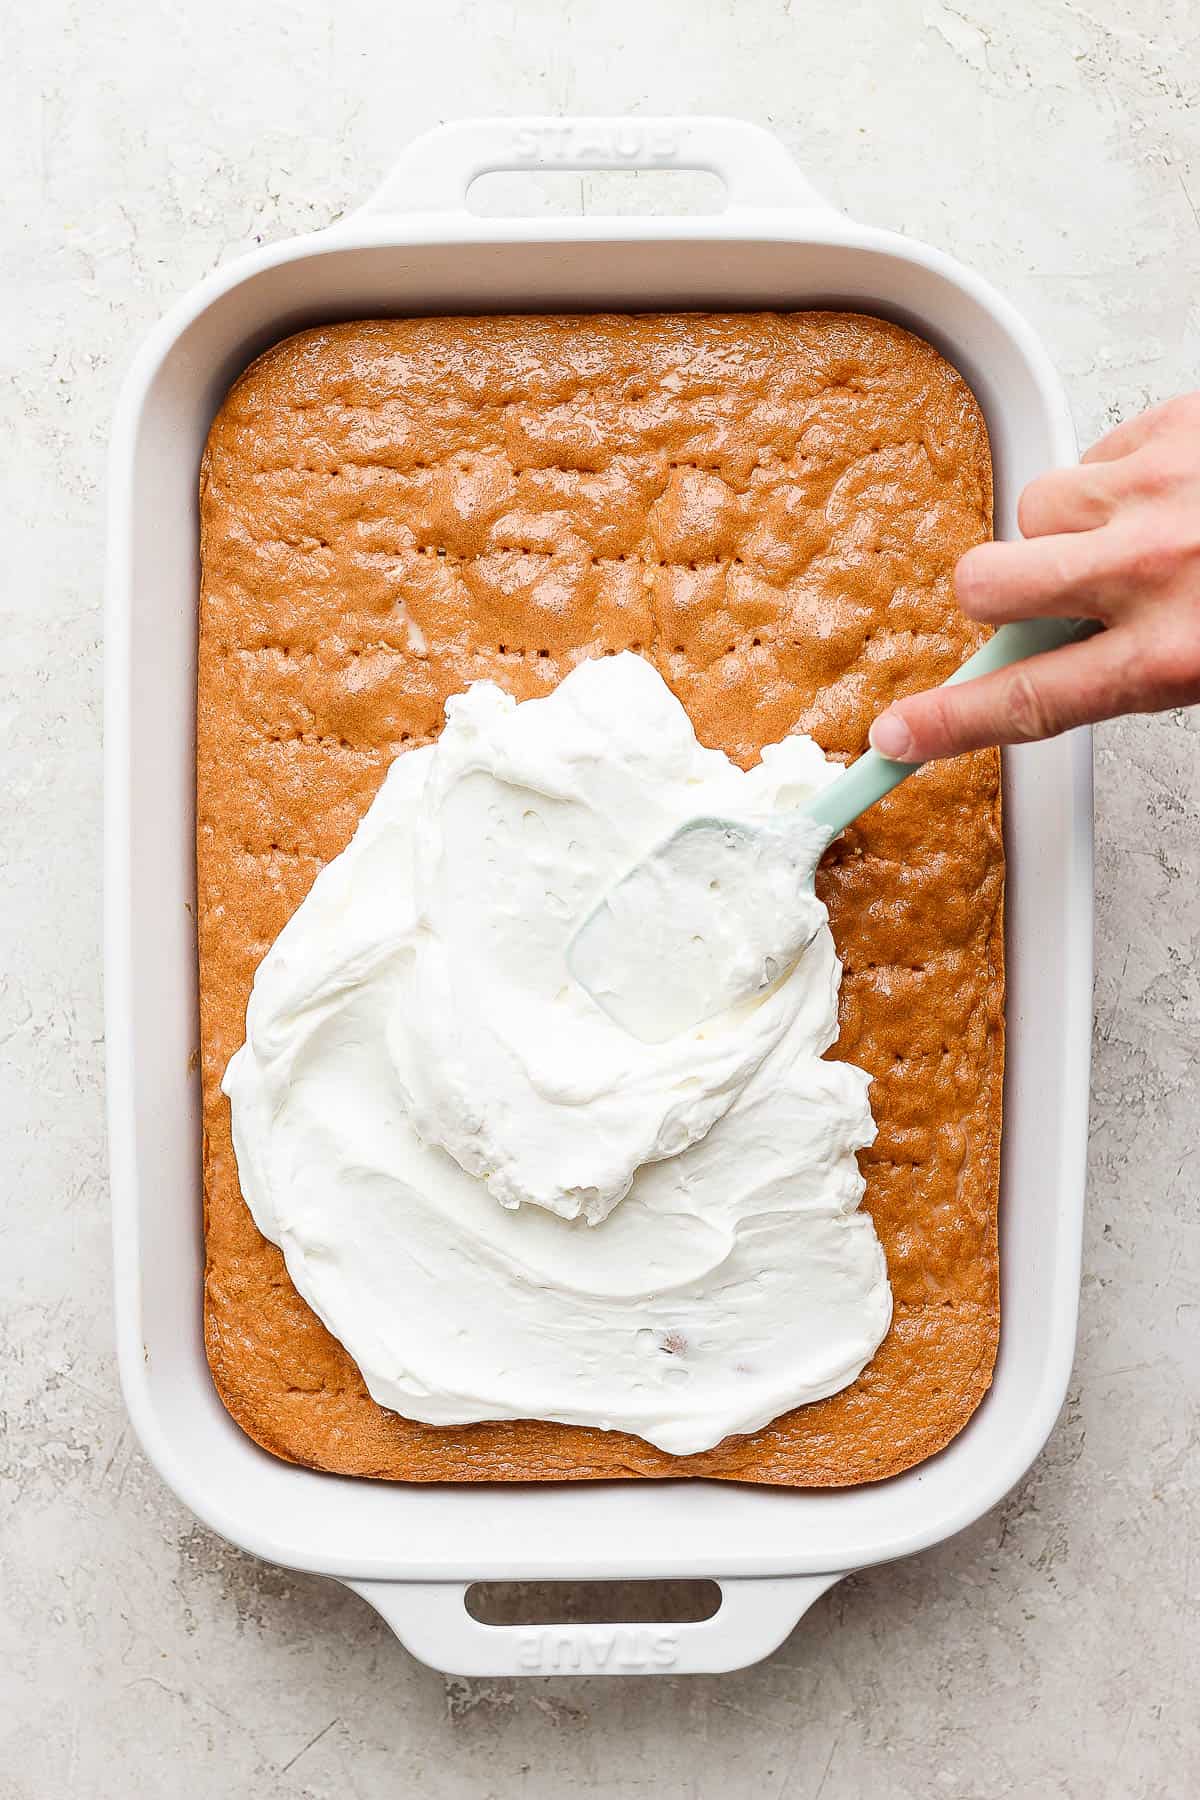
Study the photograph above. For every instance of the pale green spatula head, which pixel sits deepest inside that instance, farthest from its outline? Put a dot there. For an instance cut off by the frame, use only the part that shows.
(721, 911)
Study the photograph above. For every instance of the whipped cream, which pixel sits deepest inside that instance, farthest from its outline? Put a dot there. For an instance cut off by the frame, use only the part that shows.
(677, 1250)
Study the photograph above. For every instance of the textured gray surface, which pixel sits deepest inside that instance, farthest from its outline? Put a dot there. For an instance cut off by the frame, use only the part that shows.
(1049, 1650)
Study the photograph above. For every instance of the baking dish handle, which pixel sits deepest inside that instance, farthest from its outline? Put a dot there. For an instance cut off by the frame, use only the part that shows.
(755, 1615)
(434, 172)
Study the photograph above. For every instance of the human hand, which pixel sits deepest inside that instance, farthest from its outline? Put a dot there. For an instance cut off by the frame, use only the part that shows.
(1116, 539)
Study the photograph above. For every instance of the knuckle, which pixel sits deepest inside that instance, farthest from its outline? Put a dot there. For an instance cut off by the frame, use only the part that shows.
(1068, 500)
(1099, 494)
(1066, 566)
(1134, 553)
(1027, 712)
(1157, 470)
(1152, 560)
(1149, 473)
(1064, 500)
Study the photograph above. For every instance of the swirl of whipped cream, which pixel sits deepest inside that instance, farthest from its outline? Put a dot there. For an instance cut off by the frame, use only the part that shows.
(677, 1249)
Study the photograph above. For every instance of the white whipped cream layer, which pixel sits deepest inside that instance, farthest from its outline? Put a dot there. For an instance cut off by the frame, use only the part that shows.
(678, 1250)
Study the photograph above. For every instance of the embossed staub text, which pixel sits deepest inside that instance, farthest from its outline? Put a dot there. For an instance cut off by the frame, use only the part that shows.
(608, 145)
(595, 1648)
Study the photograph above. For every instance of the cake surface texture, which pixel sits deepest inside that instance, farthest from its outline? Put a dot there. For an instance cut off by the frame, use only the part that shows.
(768, 507)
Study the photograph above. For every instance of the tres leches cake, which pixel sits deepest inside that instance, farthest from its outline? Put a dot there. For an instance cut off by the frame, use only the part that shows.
(488, 607)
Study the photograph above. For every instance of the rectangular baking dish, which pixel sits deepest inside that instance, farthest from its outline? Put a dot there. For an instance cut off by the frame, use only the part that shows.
(411, 1550)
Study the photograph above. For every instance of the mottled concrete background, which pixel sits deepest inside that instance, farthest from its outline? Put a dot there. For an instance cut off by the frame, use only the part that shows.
(1051, 1650)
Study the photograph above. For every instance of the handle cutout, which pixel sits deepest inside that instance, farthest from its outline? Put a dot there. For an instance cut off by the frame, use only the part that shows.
(606, 193)
(593, 1602)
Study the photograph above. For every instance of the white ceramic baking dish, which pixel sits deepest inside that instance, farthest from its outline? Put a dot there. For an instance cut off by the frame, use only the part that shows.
(411, 1550)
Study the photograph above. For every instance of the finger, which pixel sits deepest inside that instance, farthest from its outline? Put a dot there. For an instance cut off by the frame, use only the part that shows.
(1070, 574)
(1038, 698)
(1132, 434)
(1079, 499)
(1122, 440)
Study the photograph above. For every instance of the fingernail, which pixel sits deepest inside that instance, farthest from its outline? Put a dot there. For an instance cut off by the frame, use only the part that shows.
(891, 737)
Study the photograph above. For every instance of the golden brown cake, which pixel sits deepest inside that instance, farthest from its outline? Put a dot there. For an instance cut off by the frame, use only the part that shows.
(769, 508)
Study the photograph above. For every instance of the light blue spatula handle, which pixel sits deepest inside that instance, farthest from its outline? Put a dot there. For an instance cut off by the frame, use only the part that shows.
(873, 776)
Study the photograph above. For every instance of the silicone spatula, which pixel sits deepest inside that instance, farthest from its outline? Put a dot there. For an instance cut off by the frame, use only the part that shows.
(720, 912)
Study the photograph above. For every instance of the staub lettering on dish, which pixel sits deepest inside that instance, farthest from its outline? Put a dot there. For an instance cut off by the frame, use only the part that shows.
(597, 1649)
(608, 145)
